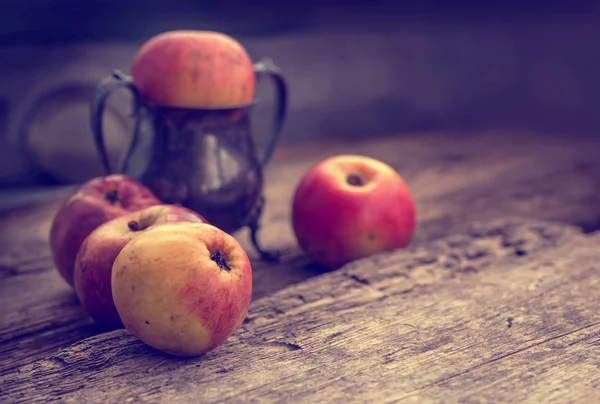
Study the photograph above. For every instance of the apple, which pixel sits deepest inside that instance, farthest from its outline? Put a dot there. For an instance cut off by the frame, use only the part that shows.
(182, 288)
(194, 69)
(93, 265)
(351, 206)
(92, 204)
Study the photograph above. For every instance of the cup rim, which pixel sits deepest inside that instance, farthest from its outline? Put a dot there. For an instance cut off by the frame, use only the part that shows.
(226, 108)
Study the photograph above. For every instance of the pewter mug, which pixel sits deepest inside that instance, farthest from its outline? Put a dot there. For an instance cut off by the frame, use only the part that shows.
(203, 159)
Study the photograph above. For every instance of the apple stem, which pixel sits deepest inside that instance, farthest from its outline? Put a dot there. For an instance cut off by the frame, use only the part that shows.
(221, 263)
(133, 225)
(355, 179)
(112, 196)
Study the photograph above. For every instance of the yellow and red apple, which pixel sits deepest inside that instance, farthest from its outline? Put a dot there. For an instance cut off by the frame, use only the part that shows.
(182, 288)
(194, 69)
(94, 262)
(92, 204)
(351, 206)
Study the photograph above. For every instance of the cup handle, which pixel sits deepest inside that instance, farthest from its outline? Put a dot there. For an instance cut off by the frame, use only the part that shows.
(266, 68)
(104, 89)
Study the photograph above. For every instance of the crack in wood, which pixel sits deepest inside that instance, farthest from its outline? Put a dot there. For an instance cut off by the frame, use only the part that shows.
(289, 346)
(359, 280)
(499, 358)
(8, 271)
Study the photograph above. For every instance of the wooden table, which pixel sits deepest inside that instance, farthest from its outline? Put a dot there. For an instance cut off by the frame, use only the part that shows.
(496, 300)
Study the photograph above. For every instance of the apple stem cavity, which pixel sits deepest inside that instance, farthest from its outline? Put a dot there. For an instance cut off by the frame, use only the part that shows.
(133, 226)
(355, 180)
(221, 263)
(112, 196)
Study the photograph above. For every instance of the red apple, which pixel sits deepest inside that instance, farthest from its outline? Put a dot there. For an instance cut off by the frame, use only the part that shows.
(92, 204)
(351, 206)
(194, 69)
(182, 288)
(93, 265)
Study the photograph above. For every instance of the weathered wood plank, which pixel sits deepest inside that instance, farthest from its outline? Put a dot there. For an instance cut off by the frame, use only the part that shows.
(455, 180)
(506, 313)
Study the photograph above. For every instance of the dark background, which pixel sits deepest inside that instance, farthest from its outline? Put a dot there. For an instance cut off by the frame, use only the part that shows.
(355, 68)
(67, 21)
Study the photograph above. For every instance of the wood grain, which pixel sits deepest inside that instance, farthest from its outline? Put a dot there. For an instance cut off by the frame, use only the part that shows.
(455, 180)
(505, 313)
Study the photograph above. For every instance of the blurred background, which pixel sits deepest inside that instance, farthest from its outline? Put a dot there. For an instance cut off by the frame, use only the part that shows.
(354, 68)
